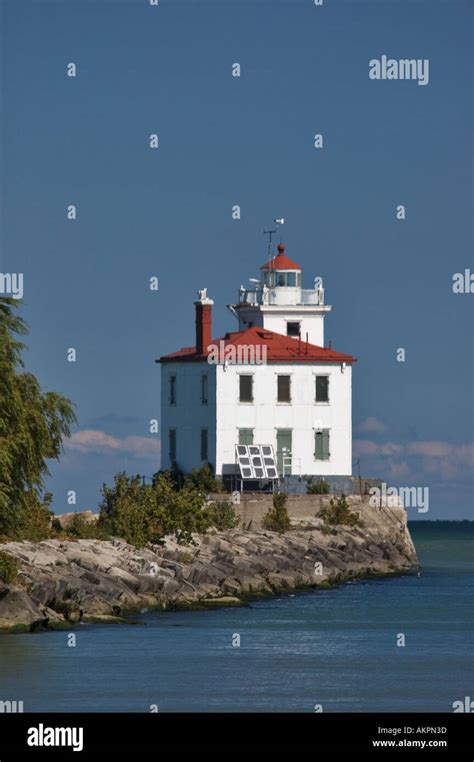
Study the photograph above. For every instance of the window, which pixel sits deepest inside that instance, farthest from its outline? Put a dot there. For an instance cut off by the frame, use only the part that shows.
(322, 388)
(172, 444)
(203, 390)
(172, 390)
(293, 329)
(204, 443)
(321, 444)
(283, 384)
(291, 279)
(246, 388)
(245, 436)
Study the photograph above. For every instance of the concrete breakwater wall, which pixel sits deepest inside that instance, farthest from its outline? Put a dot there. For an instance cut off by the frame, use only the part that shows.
(303, 508)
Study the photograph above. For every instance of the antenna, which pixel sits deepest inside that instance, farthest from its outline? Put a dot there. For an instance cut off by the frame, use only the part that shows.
(269, 233)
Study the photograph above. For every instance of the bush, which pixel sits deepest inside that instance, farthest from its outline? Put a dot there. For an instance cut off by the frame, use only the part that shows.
(321, 487)
(277, 519)
(81, 529)
(203, 479)
(8, 568)
(146, 513)
(175, 475)
(222, 515)
(338, 512)
(124, 509)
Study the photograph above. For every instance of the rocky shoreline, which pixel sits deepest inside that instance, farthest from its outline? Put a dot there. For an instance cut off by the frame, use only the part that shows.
(61, 583)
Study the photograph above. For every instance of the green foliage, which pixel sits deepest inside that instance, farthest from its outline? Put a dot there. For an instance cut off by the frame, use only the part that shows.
(277, 519)
(80, 529)
(174, 474)
(338, 512)
(32, 426)
(146, 513)
(321, 487)
(33, 519)
(203, 479)
(221, 515)
(325, 529)
(8, 568)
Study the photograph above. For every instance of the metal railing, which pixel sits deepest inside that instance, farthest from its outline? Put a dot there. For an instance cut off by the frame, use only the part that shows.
(283, 296)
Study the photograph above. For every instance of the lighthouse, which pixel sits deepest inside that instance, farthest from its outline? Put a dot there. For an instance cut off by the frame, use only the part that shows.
(270, 382)
(279, 303)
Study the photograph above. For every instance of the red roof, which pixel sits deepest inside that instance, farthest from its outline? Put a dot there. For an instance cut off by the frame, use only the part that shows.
(281, 261)
(279, 348)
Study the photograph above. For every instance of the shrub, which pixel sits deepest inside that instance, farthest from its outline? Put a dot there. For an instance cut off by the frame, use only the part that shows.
(8, 568)
(277, 519)
(175, 475)
(339, 512)
(325, 529)
(203, 479)
(146, 513)
(321, 487)
(124, 509)
(81, 529)
(222, 515)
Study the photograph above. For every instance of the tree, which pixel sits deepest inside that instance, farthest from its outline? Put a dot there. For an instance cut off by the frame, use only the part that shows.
(32, 426)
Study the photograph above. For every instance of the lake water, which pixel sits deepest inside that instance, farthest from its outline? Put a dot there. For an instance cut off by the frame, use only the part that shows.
(336, 647)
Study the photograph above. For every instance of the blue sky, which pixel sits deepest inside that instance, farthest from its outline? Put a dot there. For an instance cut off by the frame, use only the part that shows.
(246, 141)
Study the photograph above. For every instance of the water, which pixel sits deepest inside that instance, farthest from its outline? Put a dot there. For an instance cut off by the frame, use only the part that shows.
(333, 647)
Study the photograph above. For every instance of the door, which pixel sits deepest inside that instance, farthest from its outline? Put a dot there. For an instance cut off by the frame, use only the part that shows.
(284, 451)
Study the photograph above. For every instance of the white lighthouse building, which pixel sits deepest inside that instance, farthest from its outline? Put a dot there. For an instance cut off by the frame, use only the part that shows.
(270, 382)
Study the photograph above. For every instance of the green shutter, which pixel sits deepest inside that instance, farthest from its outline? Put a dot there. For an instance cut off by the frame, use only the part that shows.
(246, 436)
(318, 445)
(321, 447)
(325, 444)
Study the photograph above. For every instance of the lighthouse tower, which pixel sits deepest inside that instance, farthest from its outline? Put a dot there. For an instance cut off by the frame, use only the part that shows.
(278, 303)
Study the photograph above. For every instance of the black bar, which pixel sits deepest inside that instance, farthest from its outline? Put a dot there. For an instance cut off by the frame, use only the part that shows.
(444, 735)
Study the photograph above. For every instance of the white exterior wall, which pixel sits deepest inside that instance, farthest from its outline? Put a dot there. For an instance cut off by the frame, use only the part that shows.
(311, 324)
(188, 416)
(276, 318)
(303, 415)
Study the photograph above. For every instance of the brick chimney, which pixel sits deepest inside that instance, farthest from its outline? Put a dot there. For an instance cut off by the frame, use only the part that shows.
(203, 321)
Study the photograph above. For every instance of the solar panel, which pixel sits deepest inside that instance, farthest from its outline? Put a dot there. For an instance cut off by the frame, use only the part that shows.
(256, 461)
(271, 471)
